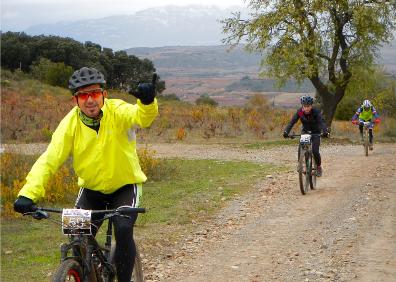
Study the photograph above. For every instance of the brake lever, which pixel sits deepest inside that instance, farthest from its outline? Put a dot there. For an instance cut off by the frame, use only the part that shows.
(116, 214)
(38, 214)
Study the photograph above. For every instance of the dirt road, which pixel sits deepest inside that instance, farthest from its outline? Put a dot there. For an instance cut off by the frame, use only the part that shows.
(343, 231)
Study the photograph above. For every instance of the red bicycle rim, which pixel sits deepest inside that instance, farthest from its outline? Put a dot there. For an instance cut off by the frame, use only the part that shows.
(74, 274)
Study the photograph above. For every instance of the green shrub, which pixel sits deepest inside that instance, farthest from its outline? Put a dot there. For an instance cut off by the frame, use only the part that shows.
(56, 74)
(347, 108)
(205, 100)
(169, 97)
(17, 75)
(389, 127)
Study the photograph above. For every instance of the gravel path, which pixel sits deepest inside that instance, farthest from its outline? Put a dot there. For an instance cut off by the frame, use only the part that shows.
(345, 230)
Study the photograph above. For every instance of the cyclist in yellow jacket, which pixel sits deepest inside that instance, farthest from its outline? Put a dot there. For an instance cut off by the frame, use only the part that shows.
(366, 112)
(100, 135)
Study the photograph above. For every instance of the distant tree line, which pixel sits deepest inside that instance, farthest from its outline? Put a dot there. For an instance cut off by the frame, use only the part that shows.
(52, 58)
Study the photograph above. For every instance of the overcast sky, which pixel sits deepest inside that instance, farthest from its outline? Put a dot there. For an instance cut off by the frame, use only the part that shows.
(17, 15)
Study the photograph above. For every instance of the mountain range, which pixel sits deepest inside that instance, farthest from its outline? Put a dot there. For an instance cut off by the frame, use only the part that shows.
(162, 26)
(193, 25)
(185, 45)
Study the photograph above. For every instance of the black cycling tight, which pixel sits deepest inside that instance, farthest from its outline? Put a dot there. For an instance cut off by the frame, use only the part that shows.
(370, 133)
(315, 150)
(125, 251)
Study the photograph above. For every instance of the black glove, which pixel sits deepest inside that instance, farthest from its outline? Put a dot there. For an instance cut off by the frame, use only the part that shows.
(285, 135)
(326, 134)
(146, 91)
(24, 205)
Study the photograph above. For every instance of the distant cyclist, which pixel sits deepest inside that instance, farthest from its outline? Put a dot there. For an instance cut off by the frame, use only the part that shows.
(312, 122)
(366, 112)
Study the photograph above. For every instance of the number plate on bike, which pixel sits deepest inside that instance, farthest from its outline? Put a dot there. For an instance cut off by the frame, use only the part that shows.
(305, 139)
(76, 221)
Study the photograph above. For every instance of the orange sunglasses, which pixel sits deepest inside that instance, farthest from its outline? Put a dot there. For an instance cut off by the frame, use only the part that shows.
(84, 95)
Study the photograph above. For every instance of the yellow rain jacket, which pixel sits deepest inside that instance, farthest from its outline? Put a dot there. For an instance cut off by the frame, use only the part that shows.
(103, 161)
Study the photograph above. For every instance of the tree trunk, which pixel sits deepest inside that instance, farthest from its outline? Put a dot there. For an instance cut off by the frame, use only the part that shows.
(329, 104)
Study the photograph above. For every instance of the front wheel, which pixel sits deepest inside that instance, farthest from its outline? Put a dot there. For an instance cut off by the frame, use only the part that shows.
(313, 169)
(68, 270)
(366, 142)
(137, 275)
(304, 171)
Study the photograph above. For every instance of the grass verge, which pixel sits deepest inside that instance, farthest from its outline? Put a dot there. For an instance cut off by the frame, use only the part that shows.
(193, 193)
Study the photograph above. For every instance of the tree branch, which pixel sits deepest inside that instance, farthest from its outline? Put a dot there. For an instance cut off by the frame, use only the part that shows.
(323, 56)
(376, 1)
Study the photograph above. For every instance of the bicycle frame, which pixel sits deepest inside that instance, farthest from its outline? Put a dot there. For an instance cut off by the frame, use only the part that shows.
(86, 249)
(366, 127)
(306, 169)
(94, 259)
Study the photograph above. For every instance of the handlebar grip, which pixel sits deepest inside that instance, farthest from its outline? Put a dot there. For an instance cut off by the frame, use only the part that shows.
(55, 210)
(140, 210)
(131, 210)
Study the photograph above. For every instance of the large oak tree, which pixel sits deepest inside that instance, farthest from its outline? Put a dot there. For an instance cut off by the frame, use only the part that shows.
(320, 40)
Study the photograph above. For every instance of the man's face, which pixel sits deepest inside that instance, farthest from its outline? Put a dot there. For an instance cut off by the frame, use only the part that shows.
(90, 99)
(307, 108)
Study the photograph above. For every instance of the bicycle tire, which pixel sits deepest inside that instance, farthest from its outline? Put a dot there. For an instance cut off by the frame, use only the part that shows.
(302, 173)
(366, 145)
(313, 170)
(308, 171)
(137, 274)
(69, 270)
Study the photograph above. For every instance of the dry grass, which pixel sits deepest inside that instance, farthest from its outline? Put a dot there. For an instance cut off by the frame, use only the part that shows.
(383, 132)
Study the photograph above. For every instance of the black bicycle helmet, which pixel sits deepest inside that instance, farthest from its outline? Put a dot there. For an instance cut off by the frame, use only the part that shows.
(306, 100)
(84, 77)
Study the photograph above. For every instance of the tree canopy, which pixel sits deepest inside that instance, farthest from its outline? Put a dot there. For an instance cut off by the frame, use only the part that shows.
(320, 40)
(21, 51)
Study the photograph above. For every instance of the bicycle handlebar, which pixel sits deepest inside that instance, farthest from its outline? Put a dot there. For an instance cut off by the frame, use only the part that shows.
(298, 135)
(125, 209)
(365, 123)
(41, 212)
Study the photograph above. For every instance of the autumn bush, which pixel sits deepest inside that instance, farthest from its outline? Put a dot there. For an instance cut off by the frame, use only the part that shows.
(62, 187)
(31, 111)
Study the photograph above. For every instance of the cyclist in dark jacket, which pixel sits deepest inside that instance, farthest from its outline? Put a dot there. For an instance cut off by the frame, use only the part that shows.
(312, 122)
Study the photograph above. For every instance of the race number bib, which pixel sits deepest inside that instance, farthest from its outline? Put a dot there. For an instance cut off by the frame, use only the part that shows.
(305, 139)
(76, 221)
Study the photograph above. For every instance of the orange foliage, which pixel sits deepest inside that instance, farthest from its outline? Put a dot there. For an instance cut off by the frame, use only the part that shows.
(31, 114)
(181, 133)
(31, 118)
(61, 188)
